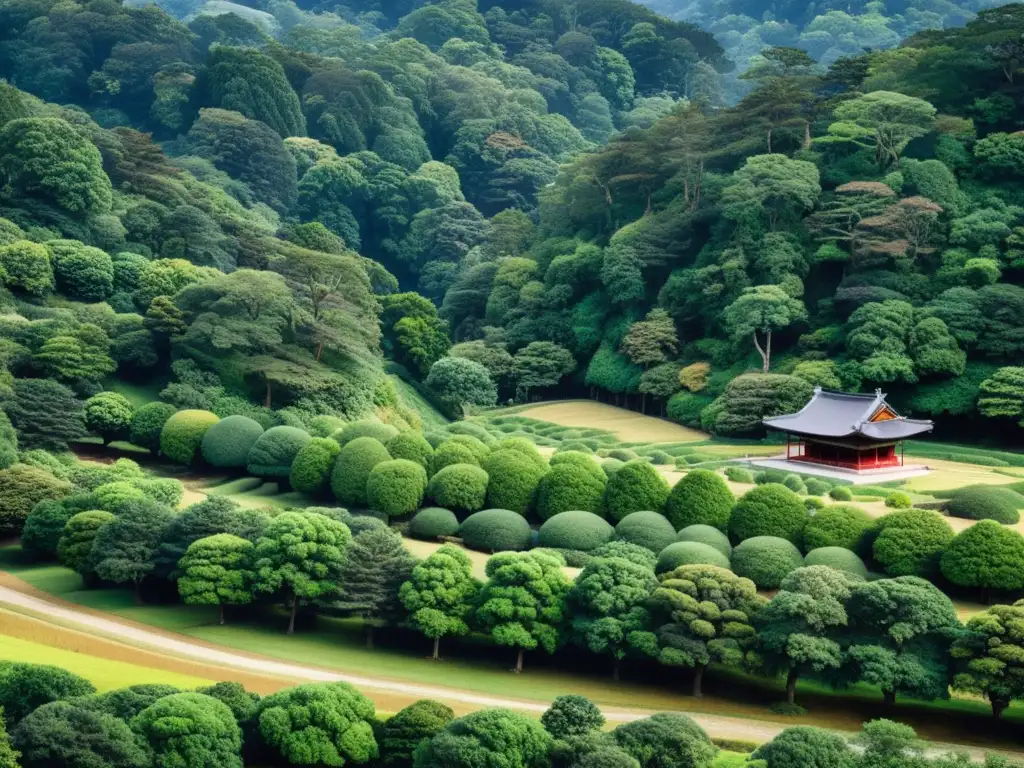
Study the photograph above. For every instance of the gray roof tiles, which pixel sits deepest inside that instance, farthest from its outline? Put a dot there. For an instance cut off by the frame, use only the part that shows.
(844, 414)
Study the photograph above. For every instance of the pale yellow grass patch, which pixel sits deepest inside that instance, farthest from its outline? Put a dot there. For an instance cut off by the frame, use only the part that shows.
(946, 475)
(628, 426)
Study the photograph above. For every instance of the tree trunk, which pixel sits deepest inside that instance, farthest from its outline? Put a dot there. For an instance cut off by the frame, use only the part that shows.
(220, 608)
(138, 591)
(368, 627)
(791, 685)
(266, 401)
(769, 140)
(698, 680)
(761, 352)
(643, 403)
(768, 351)
(998, 705)
(889, 698)
(519, 661)
(437, 649)
(616, 664)
(807, 136)
(319, 351)
(295, 610)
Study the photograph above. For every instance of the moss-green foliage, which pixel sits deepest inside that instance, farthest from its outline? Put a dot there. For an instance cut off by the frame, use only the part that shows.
(706, 534)
(768, 510)
(352, 468)
(689, 553)
(582, 531)
(569, 486)
(898, 500)
(412, 446)
(432, 522)
(739, 475)
(110, 496)
(701, 497)
(839, 558)
(460, 487)
(148, 423)
(637, 486)
(396, 487)
(75, 543)
(812, 504)
(910, 542)
(817, 487)
(794, 483)
(611, 466)
(513, 480)
(496, 530)
(21, 488)
(841, 493)
(228, 442)
(985, 502)
(583, 460)
(986, 555)
(523, 446)
(365, 428)
(274, 451)
(766, 560)
(472, 429)
(165, 490)
(182, 434)
(685, 407)
(838, 525)
(325, 426)
(43, 528)
(647, 529)
(448, 453)
(311, 469)
(632, 552)
(477, 447)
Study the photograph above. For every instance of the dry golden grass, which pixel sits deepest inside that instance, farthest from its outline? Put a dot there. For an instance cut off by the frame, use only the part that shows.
(628, 426)
(946, 475)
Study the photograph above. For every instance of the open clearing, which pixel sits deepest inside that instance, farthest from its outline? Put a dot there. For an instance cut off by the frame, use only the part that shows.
(628, 426)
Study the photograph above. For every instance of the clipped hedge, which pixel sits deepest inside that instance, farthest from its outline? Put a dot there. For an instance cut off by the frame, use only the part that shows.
(396, 487)
(766, 560)
(583, 460)
(525, 447)
(631, 552)
(479, 448)
(110, 496)
(838, 558)
(513, 480)
(364, 428)
(706, 534)
(794, 483)
(430, 523)
(636, 486)
(582, 531)
(841, 493)
(75, 544)
(898, 500)
(689, 553)
(356, 460)
(496, 530)
(985, 503)
(325, 426)
(647, 529)
(227, 443)
(701, 497)
(817, 487)
(449, 453)
(148, 423)
(166, 490)
(739, 475)
(183, 433)
(839, 525)
(768, 510)
(275, 450)
(412, 446)
(311, 470)
(569, 487)
(910, 542)
(43, 528)
(460, 487)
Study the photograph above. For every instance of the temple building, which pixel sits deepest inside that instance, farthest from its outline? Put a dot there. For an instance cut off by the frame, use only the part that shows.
(847, 431)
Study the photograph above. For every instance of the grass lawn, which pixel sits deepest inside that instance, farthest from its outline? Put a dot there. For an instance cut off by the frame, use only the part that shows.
(627, 425)
(432, 418)
(137, 394)
(105, 674)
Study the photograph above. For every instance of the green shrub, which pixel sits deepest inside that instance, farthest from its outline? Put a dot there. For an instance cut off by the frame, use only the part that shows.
(523, 446)
(573, 445)
(631, 552)
(165, 490)
(112, 495)
(838, 558)
(228, 442)
(449, 453)
(513, 480)
(430, 523)
(989, 556)
(910, 542)
(706, 534)
(495, 530)
(479, 449)
(75, 543)
(611, 466)
(325, 426)
(364, 428)
(182, 434)
(623, 454)
(985, 502)
(768, 510)
(841, 493)
(685, 407)
(637, 486)
(582, 531)
(43, 528)
(396, 487)
(356, 460)
(274, 451)
(766, 560)
(472, 429)
(148, 423)
(689, 553)
(898, 500)
(21, 488)
(661, 459)
(701, 497)
(582, 460)
(839, 525)
(739, 475)
(794, 483)
(311, 470)
(412, 446)
(567, 487)
(770, 476)
(699, 458)
(817, 487)
(650, 530)
(460, 487)
(813, 504)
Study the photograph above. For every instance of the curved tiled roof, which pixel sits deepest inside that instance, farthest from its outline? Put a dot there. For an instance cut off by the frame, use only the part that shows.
(844, 414)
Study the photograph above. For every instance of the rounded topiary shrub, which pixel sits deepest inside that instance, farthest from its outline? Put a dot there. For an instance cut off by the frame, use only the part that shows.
(524, 447)
(577, 530)
(816, 487)
(910, 542)
(430, 523)
(448, 453)
(768, 510)
(689, 553)
(739, 475)
(898, 500)
(812, 504)
(182, 434)
(706, 534)
(110, 496)
(794, 483)
(478, 447)
(841, 493)
(838, 558)
(766, 560)
(460, 487)
(701, 497)
(396, 487)
(637, 486)
(647, 529)
(227, 443)
(496, 530)
(472, 429)
(356, 460)
(148, 423)
(583, 460)
(840, 525)
(364, 428)
(513, 480)
(43, 528)
(611, 466)
(166, 490)
(567, 487)
(985, 503)
(274, 451)
(412, 446)
(311, 470)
